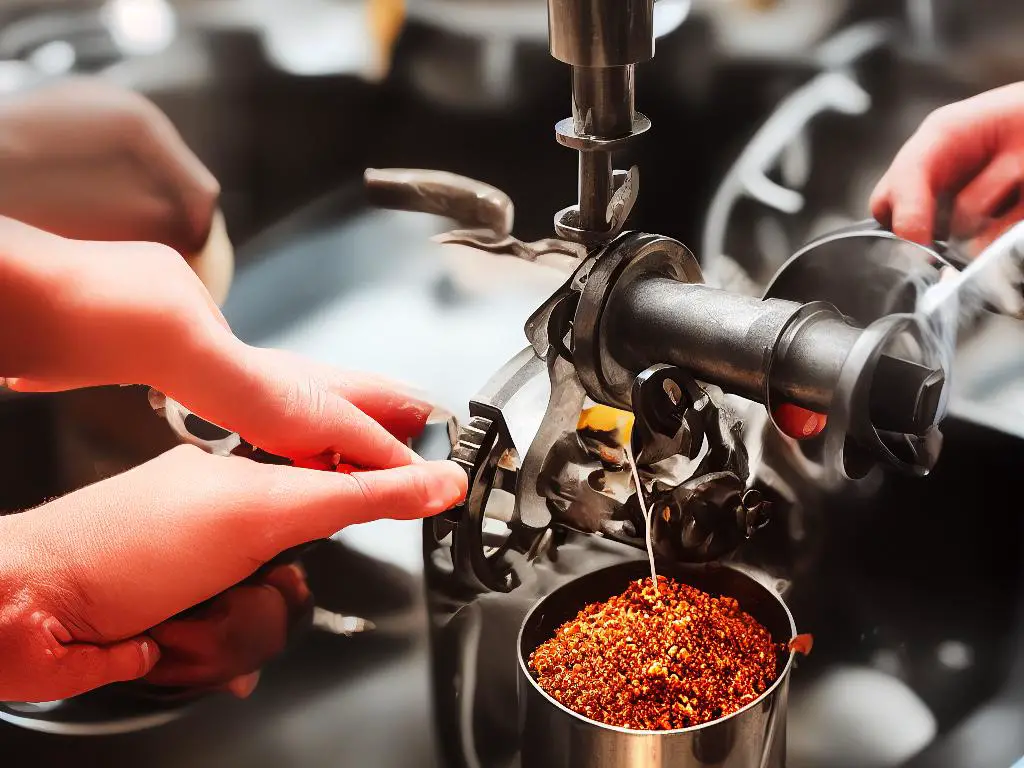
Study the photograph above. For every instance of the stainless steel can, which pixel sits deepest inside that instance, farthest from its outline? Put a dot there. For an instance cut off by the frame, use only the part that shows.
(553, 736)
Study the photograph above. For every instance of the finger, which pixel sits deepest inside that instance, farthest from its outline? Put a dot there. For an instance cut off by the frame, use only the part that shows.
(333, 501)
(398, 407)
(235, 635)
(210, 521)
(284, 406)
(881, 203)
(993, 229)
(85, 667)
(243, 686)
(913, 210)
(948, 148)
(979, 203)
(160, 147)
(402, 409)
(290, 581)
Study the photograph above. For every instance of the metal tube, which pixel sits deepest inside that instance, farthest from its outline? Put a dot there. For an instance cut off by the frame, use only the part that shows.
(728, 340)
(595, 190)
(723, 338)
(603, 101)
(602, 106)
(601, 33)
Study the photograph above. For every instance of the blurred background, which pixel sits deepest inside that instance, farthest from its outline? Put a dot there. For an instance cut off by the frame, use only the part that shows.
(287, 102)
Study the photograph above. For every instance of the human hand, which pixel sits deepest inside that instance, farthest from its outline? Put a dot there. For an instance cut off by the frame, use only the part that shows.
(85, 577)
(90, 582)
(969, 154)
(89, 160)
(81, 314)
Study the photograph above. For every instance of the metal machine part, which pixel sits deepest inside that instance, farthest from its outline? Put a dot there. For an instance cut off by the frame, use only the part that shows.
(602, 43)
(634, 328)
(554, 736)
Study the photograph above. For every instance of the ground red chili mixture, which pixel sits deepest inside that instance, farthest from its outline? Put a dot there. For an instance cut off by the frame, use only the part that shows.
(657, 661)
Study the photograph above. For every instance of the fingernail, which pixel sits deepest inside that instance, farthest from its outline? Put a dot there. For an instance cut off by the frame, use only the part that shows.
(242, 687)
(301, 588)
(55, 635)
(449, 485)
(150, 655)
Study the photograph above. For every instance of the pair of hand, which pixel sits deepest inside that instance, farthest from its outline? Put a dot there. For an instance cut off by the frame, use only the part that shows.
(92, 584)
(965, 163)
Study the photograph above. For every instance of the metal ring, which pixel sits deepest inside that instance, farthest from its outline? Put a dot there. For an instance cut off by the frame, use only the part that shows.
(781, 345)
(566, 135)
(851, 393)
(624, 259)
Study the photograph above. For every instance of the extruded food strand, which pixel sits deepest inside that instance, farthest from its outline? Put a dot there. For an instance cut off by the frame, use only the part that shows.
(658, 661)
(645, 512)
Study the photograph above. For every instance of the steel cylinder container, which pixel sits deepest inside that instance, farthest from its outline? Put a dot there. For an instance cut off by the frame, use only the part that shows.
(553, 736)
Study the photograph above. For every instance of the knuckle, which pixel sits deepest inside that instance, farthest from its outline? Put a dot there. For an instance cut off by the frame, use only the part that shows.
(138, 117)
(304, 399)
(209, 191)
(368, 497)
(187, 458)
(1015, 166)
(162, 257)
(421, 493)
(940, 117)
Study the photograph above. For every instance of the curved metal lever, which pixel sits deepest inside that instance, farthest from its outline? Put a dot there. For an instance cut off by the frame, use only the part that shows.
(484, 214)
(471, 203)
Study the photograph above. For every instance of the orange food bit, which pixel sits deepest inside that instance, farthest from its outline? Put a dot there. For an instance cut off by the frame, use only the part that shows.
(801, 644)
(327, 463)
(314, 462)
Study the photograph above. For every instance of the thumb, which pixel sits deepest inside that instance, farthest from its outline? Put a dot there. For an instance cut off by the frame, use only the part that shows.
(86, 666)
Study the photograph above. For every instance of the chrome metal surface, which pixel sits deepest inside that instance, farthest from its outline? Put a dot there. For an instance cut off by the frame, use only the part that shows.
(598, 33)
(602, 41)
(472, 204)
(555, 737)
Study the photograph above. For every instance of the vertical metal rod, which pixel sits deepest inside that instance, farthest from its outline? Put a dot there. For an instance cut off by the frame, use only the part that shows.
(602, 106)
(602, 101)
(595, 190)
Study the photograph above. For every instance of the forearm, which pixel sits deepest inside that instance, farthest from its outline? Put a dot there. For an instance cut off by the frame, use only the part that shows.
(29, 307)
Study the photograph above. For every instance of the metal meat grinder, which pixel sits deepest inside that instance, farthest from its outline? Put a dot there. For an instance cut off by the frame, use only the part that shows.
(632, 371)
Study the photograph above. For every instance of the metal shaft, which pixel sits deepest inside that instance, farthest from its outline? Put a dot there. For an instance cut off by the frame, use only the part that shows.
(602, 106)
(601, 40)
(727, 340)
